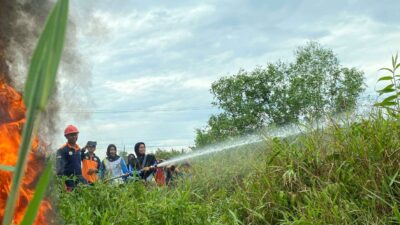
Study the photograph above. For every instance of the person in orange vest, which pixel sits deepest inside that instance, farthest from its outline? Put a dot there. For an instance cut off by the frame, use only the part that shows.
(90, 163)
(68, 159)
(160, 174)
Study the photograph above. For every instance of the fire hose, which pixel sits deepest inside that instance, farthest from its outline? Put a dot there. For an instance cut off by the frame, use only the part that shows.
(127, 174)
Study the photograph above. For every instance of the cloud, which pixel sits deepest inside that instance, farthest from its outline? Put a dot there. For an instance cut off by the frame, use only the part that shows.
(164, 55)
(143, 85)
(197, 83)
(143, 21)
(362, 42)
(139, 86)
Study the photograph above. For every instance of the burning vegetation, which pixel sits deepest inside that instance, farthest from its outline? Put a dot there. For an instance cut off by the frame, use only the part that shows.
(12, 114)
(12, 118)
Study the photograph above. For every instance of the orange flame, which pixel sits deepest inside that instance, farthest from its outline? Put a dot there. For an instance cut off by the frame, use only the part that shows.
(12, 118)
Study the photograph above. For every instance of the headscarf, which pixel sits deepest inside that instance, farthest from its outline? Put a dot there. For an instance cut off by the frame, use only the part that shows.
(109, 157)
(137, 145)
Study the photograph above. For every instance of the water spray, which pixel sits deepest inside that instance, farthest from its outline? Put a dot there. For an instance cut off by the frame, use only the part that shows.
(279, 132)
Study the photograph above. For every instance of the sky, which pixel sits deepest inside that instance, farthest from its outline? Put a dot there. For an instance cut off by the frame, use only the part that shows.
(151, 63)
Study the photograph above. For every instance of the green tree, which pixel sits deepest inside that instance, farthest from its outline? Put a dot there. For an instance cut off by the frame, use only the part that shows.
(281, 93)
(319, 84)
(168, 154)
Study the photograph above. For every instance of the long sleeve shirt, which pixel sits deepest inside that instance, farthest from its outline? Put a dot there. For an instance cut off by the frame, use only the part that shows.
(68, 160)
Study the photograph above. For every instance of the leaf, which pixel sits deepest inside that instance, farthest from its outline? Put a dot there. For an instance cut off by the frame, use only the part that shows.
(394, 61)
(385, 78)
(40, 190)
(394, 178)
(391, 71)
(378, 197)
(390, 103)
(273, 157)
(385, 104)
(389, 86)
(391, 112)
(7, 168)
(235, 219)
(255, 213)
(387, 89)
(396, 213)
(390, 98)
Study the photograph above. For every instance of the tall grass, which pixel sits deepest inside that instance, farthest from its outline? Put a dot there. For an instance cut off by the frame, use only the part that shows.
(391, 102)
(38, 87)
(342, 175)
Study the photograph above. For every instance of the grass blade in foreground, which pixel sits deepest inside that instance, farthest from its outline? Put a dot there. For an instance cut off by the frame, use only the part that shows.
(40, 82)
(40, 190)
(7, 168)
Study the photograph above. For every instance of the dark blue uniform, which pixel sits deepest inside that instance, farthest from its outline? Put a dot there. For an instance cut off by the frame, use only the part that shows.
(68, 163)
(146, 161)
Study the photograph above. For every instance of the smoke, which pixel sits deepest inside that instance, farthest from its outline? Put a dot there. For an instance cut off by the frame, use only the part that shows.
(7, 15)
(21, 23)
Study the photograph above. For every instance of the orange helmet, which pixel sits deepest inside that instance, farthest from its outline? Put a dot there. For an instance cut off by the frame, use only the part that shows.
(71, 129)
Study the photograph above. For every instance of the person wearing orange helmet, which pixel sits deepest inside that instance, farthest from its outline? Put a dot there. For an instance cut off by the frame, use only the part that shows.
(68, 159)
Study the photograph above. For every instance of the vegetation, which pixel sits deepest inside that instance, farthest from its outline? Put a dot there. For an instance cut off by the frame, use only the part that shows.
(339, 175)
(391, 102)
(315, 84)
(38, 87)
(342, 175)
(163, 154)
(346, 173)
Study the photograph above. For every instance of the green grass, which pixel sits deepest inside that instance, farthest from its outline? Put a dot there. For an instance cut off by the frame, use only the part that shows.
(338, 176)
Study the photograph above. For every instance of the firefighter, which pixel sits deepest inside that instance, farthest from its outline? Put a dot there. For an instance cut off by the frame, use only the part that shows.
(90, 163)
(68, 159)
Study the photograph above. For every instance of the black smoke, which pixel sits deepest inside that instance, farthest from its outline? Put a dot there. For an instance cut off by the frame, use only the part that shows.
(21, 22)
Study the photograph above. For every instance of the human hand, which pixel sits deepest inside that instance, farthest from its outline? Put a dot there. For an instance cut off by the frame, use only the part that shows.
(92, 171)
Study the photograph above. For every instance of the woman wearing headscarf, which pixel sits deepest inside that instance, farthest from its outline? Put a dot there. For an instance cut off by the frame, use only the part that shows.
(113, 166)
(146, 162)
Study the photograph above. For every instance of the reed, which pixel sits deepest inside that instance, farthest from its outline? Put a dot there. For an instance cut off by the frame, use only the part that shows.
(38, 88)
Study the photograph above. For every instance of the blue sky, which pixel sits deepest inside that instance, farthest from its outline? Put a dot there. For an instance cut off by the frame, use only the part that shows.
(152, 62)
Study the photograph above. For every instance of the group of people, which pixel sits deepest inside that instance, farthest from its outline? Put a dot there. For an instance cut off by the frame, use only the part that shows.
(82, 165)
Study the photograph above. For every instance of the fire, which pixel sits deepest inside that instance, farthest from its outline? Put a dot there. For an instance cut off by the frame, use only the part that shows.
(12, 118)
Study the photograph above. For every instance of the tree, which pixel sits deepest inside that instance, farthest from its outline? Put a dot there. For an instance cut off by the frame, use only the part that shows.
(168, 154)
(282, 93)
(319, 85)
